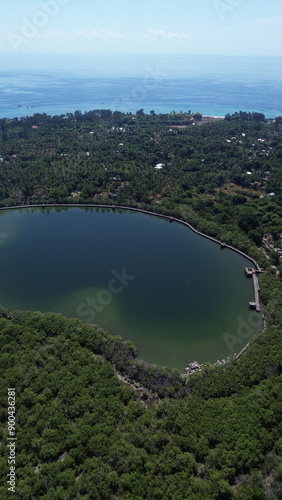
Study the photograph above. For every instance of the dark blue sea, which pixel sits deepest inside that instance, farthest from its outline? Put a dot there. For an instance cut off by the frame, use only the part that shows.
(207, 84)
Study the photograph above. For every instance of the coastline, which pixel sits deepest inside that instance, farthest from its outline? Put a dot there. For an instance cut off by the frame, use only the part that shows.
(212, 114)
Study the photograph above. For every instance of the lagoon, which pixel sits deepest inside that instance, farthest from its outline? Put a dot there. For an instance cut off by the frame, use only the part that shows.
(175, 294)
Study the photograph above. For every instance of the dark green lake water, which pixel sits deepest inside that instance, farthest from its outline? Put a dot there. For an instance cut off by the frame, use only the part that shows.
(175, 294)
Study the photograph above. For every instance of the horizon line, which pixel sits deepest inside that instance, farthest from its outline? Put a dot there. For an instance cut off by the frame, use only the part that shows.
(132, 54)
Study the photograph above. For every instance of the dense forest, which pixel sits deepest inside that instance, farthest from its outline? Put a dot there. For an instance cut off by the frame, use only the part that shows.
(223, 177)
(89, 419)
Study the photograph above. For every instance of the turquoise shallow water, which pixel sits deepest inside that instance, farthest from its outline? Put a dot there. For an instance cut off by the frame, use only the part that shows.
(174, 293)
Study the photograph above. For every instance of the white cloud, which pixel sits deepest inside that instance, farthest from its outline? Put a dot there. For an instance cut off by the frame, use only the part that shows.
(88, 35)
(269, 21)
(55, 34)
(157, 33)
(100, 35)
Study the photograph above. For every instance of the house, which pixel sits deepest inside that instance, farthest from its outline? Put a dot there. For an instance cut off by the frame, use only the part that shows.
(193, 367)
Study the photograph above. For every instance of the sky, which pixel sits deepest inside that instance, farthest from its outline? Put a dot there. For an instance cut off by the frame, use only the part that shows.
(190, 27)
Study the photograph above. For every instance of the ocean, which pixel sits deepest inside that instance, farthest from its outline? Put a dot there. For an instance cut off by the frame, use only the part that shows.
(211, 85)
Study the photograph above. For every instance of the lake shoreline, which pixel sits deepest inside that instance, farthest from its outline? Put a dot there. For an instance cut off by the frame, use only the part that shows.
(111, 208)
(134, 209)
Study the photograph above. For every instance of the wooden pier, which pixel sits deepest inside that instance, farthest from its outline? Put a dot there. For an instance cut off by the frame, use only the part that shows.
(252, 272)
(256, 290)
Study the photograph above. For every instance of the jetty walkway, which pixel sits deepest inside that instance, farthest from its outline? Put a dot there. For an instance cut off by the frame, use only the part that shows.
(250, 271)
(256, 289)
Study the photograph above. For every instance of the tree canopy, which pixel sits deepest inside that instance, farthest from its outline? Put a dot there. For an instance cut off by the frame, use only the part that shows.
(93, 421)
